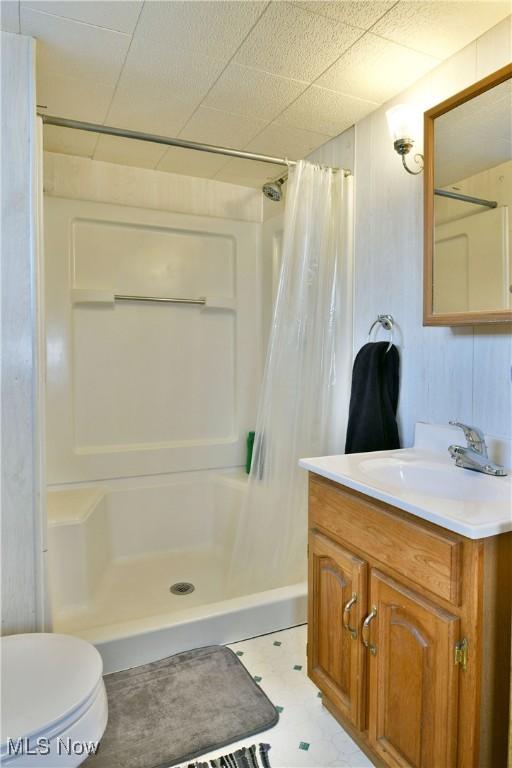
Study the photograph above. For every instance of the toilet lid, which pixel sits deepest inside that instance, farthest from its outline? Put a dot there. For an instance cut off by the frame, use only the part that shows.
(44, 678)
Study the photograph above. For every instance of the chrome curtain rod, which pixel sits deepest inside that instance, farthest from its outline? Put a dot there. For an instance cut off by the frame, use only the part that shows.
(284, 176)
(78, 125)
(465, 198)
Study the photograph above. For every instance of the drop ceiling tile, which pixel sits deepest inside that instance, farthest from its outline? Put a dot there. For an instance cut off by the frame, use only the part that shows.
(326, 111)
(475, 136)
(252, 92)
(212, 126)
(362, 14)
(458, 166)
(489, 116)
(294, 43)
(202, 27)
(376, 69)
(286, 141)
(111, 14)
(248, 173)
(10, 16)
(68, 142)
(440, 28)
(160, 71)
(141, 111)
(191, 163)
(113, 149)
(75, 98)
(76, 49)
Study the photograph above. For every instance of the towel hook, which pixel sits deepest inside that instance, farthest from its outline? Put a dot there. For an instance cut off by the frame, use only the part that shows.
(387, 322)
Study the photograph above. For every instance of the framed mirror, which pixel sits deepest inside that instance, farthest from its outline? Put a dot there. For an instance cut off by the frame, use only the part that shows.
(468, 205)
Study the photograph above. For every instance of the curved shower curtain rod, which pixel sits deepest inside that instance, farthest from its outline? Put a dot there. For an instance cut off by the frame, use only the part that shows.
(63, 122)
(124, 133)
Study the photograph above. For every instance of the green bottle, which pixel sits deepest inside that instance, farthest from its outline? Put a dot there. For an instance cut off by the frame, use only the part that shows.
(250, 446)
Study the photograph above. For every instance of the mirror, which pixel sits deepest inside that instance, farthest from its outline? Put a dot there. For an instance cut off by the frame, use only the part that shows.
(468, 205)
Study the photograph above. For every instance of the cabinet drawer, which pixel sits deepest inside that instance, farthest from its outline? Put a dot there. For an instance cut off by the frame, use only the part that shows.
(428, 557)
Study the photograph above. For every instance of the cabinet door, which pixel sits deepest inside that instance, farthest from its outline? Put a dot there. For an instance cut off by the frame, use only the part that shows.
(413, 677)
(337, 603)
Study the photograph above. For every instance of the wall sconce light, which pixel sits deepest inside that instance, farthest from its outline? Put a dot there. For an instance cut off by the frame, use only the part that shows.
(403, 124)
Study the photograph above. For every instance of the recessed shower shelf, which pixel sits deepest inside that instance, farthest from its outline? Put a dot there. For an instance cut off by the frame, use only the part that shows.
(98, 296)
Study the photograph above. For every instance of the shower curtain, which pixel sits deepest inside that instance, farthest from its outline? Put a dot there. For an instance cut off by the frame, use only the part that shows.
(305, 390)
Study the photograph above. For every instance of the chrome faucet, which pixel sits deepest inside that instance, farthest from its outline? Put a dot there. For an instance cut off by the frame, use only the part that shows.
(474, 456)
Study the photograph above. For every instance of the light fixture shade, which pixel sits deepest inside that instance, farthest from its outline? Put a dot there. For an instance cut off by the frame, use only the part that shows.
(403, 122)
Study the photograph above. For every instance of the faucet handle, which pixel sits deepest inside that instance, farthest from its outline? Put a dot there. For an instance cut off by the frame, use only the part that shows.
(474, 436)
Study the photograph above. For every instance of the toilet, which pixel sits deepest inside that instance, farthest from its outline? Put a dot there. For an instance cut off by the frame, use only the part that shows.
(54, 703)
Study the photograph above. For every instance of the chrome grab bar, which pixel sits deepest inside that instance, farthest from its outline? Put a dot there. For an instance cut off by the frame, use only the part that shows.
(164, 299)
(346, 616)
(365, 632)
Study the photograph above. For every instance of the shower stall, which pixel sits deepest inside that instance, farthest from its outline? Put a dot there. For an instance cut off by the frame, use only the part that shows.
(118, 548)
(156, 342)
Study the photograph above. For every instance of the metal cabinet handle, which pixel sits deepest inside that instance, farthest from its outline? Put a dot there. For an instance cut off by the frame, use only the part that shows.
(365, 632)
(346, 616)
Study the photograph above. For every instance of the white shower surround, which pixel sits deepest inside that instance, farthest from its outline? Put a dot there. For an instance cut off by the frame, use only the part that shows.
(135, 388)
(116, 548)
(137, 506)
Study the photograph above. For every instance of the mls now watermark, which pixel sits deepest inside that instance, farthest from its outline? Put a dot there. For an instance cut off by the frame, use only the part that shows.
(45, 746)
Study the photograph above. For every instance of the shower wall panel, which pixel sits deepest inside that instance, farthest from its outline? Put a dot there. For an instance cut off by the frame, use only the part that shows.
(139, 388)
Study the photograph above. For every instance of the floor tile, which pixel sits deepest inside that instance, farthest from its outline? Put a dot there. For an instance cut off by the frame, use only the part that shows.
(306, 736)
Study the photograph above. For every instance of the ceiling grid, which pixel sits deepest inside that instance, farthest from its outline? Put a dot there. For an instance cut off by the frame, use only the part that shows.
(275, 77)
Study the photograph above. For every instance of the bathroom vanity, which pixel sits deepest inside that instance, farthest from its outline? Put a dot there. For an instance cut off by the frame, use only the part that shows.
(410, 620)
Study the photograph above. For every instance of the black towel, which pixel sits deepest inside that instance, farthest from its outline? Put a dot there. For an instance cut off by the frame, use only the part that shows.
(373, 402)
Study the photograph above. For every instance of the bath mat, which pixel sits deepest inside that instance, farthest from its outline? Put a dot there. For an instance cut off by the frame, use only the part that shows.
(170, 711)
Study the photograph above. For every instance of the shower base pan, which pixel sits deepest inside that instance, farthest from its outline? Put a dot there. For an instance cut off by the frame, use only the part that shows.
(142, 587)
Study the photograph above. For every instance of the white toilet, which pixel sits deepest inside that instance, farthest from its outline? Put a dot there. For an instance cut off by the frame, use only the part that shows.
(54, 704)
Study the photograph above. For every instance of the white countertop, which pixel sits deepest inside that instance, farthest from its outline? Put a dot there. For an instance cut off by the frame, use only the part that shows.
(426, 483)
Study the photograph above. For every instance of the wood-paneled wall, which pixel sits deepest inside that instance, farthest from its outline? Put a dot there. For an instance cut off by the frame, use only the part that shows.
(21, 528)
(447, 373)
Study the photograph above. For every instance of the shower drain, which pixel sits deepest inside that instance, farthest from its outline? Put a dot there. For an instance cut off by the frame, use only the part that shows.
(182, 588)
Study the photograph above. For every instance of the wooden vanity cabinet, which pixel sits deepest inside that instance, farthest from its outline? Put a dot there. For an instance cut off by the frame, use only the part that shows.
(409, 632)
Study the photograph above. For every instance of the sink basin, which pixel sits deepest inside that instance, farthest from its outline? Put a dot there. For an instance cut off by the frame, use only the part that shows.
(435, 478)
(425, 482)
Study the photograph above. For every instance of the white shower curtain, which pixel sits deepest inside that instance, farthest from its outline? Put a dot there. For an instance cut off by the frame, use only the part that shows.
(305, 390)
